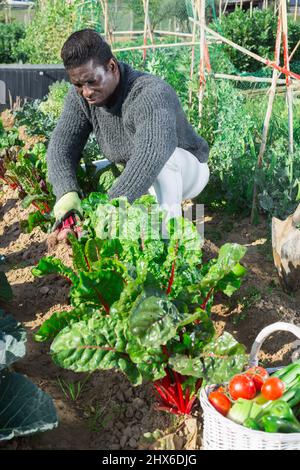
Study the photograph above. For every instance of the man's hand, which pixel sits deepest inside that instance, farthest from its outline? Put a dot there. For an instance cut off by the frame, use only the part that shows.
(67, 204)
(67, 213)
(71, 224)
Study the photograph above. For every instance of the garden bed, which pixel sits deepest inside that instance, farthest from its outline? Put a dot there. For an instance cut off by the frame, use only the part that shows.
(110, 413)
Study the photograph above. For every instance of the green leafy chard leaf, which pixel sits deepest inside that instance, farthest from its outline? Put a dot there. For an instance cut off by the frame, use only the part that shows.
(184, 255)
(229, 256)
(80, 261)
(154, 320)
(59, 320)
(219, 361)
(51, 265)
(102, 287)
(92, 345)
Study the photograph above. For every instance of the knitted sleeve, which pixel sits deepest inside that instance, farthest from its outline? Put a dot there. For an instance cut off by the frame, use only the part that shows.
(66, 144)
(155, 140)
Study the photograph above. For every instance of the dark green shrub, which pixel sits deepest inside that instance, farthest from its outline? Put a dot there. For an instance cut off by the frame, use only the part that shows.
(10, 35)
(256, 33)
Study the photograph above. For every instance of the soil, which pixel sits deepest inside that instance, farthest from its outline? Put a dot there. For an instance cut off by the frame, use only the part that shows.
(109, 413)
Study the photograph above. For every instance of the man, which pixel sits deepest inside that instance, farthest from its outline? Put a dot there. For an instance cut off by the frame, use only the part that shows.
(137, 120)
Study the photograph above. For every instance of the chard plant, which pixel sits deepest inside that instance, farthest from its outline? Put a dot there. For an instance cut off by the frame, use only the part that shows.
(141, 302)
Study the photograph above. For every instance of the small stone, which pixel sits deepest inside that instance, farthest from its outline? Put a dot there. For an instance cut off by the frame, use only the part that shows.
(128, 393)
(138, 403)
(120, 396)
(129, 413)
(139, 415)
(132, 443)
(44, 290)
(115, 447)
(123, 441)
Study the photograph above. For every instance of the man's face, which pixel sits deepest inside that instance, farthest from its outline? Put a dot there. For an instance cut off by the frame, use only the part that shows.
(94, 82)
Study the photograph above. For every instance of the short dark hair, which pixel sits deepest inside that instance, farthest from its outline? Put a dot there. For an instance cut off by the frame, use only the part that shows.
(83, 46)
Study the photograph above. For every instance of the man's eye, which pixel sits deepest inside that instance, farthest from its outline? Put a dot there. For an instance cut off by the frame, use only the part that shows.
(91, 82)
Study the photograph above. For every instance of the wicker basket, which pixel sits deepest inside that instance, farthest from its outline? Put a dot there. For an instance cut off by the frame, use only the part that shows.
(220, 433)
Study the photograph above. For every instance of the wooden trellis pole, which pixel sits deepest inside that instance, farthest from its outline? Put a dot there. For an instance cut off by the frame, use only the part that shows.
(296, 11)
(225, 7)
(200, 4)
(289, 89)
(287, 66)
(104, 6)
(267, 117)
(157, 46)
(192, 59)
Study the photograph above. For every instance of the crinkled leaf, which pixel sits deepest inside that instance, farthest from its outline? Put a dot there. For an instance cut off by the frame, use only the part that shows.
(102, 287)
(183, 257)
(92, 345)
(12, 340)
(59, 320)
(96, 249)
(30, 198)
(24, 408)
(232, 281)
(154, 320)
(51, 265)
(220, 360)
(229, 255)
(80, 262)
(131, 291)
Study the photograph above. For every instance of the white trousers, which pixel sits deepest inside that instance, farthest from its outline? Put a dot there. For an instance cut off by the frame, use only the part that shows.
(182, 177)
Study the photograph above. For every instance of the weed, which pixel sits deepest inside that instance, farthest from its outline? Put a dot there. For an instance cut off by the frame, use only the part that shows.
(72, 390)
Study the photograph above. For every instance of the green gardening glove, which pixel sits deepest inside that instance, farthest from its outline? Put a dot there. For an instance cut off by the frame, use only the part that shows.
(68, 203)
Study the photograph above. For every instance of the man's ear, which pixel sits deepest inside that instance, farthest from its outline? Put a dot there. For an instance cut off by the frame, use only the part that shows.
(112, 65)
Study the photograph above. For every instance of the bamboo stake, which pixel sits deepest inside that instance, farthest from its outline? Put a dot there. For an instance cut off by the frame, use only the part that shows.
(192, 61)
(220, 10)
(146, 5)
(289, 90)
(294, 50)
(267, 62)
(295, 12)
(241, 4)
(201, 14)
(157, 46)
(251, 9)
(173, 33)
(267, 117)
(225, 8)
(106, 18)
(249, 78)
(126, 33)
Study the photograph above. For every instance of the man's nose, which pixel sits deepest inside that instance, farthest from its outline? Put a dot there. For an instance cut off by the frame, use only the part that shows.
(87, 92)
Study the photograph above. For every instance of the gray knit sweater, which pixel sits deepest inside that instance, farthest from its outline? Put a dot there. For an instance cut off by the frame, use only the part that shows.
(142, 129)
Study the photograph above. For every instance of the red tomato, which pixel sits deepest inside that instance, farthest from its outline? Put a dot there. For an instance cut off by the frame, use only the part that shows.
(220, 402)
(259, 375)
(242, 386)
(273, 388)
